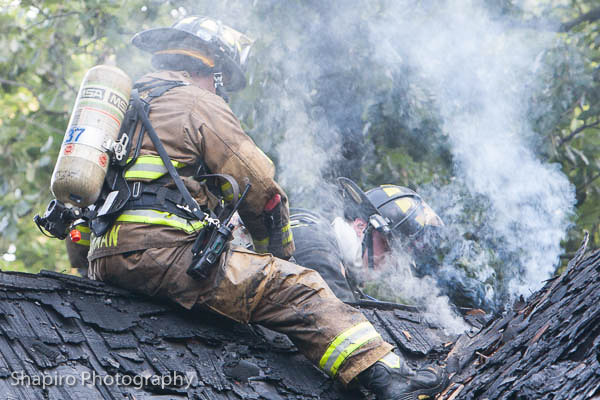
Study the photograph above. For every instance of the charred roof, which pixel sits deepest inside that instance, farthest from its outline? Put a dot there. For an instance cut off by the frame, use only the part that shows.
(91, 340)
(546, 348)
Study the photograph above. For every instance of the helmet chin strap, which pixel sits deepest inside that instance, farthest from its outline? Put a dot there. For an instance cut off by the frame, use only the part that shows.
(218, 82)
(367, 243)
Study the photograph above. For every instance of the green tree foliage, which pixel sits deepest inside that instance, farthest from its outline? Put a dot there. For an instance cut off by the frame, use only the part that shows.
(46, 47)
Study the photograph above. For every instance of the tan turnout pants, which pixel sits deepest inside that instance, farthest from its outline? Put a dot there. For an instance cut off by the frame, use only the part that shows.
(257, 288)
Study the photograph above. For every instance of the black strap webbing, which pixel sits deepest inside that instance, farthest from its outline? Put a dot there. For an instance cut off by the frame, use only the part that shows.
(193, 207)
(367, 244)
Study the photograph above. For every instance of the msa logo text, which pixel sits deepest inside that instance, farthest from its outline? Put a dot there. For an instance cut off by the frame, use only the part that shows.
(117, 101)
(92, 93)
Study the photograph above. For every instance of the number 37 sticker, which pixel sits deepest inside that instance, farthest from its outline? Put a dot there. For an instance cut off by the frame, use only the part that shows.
(73, 135)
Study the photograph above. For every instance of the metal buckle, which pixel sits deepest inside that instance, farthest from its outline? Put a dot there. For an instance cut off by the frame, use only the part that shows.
(379, 223)
(136, 190)
(108, 144)
(120, 147)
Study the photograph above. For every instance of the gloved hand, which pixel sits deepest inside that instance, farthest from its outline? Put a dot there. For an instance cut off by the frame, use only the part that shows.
(273, 222)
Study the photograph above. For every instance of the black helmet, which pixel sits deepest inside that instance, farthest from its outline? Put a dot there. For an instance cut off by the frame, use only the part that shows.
(395, 211)
(389, 209)
(403, 209)
(203, 41)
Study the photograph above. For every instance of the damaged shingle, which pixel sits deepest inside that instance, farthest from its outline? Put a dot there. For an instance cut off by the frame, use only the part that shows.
(57, 324)
(544, 349)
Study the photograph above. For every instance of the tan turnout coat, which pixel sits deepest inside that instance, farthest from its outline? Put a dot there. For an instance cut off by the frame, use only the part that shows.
(152, 258)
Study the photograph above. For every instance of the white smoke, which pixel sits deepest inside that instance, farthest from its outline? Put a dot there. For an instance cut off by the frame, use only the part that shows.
(480, 74)
(396, 282)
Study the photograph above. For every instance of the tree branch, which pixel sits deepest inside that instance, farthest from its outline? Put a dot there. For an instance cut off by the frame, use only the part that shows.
(554, 25)
(577, 131)
(589, 16)
(15, 83)
(32, 90)
(590, 181)
(42, 125)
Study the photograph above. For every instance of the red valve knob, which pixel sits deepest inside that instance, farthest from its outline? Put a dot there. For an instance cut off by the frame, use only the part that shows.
(75, 235)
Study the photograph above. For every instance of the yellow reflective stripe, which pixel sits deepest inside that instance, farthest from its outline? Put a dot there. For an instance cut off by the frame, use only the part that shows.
(156, 160)
(390, 190)
(85, 235)
(149, 167)
(287, 236)
(391, 360)
(351, 349)
(345, 344)
(339, 339)
(134, 174)
(261, 246)
(156, 217)
(83, 228)
(227, 191)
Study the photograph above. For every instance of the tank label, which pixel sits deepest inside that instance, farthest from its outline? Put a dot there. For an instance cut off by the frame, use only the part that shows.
(104, 97)
(118, 102)
(92, 92)
(88, 135)
(73, 134)
(103, 160)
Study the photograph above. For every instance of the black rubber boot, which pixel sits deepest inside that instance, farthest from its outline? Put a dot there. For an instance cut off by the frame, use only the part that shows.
(392, 379)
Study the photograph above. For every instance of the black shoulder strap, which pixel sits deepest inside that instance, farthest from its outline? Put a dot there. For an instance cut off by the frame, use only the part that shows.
(193, 207)
(120, 191)
(157, 86)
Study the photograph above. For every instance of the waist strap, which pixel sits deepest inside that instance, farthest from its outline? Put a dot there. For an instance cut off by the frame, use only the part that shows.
(156, 198)
(157, 217)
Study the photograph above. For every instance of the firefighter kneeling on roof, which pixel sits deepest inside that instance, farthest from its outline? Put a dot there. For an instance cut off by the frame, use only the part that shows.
(343, 250)
(150, 249)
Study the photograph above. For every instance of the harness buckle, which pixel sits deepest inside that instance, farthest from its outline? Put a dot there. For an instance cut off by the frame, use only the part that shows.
(136, 191)
(120, 147)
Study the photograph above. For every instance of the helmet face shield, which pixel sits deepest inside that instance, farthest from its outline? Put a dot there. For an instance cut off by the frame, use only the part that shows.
(423, 248)
(241, 42)
(426, 239)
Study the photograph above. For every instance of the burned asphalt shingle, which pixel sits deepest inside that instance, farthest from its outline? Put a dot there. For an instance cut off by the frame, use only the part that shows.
(64, 326)
(85, 333)
(548, 348)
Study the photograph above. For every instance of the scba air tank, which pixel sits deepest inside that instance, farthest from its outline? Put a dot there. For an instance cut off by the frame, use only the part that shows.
(93, 128)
